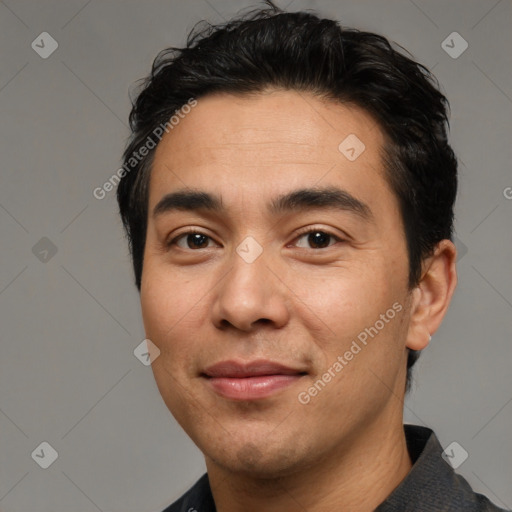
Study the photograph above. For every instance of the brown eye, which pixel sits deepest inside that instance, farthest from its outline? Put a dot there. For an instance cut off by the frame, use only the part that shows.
(192, 240)
(317, 239)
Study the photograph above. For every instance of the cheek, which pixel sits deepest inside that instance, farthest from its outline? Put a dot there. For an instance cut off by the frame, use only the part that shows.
(175, 310)
(346, 300)
(163, 314)
(167, 325)
(166, 301)
(350, 305)
(157, 310)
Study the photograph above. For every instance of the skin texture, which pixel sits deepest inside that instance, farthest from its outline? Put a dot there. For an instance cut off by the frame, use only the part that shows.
(297, 304)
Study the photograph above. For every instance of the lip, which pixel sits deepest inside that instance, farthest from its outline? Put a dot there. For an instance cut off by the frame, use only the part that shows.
(250, 380)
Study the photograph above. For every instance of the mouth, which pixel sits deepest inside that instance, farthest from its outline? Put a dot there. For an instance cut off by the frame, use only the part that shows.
(250, 381)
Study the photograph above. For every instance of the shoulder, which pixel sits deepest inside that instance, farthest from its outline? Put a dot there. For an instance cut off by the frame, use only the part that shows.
(432, 484)
(197, 499)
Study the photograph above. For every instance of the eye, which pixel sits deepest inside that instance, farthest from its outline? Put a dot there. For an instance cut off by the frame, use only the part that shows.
(191, 240)
(314, 239)
(318, 239)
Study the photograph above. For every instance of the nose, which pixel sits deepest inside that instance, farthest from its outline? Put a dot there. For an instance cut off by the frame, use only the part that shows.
(251, 294)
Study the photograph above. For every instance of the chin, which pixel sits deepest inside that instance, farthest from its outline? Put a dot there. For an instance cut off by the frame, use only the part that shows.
(256, 459)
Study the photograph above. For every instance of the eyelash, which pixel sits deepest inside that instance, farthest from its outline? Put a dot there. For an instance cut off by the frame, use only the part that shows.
(192, 231)
(307, 231)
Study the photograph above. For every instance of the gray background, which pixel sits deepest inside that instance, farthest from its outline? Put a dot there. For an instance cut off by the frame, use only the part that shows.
(70, 321)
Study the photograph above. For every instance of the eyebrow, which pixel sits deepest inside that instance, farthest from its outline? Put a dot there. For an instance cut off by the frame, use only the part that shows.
(296, 200)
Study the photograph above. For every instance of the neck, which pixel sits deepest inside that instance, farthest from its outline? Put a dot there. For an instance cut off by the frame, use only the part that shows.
(356, 477)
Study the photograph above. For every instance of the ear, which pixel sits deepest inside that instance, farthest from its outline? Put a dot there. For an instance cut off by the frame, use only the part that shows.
(432, 295)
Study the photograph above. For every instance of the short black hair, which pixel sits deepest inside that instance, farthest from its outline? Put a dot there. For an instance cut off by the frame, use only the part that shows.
(273, 49)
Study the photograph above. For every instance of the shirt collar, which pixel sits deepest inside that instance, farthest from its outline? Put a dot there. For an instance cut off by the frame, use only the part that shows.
(431, 485)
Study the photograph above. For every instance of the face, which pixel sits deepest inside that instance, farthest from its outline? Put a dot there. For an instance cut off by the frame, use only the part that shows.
(275, 280)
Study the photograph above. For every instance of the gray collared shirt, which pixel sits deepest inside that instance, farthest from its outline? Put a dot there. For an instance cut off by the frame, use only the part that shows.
(431, 485)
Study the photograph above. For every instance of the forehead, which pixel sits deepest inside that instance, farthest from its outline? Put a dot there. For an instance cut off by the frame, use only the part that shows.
(269, 143)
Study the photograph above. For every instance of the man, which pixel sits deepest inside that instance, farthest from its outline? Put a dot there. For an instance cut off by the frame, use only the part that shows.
(288, 196)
